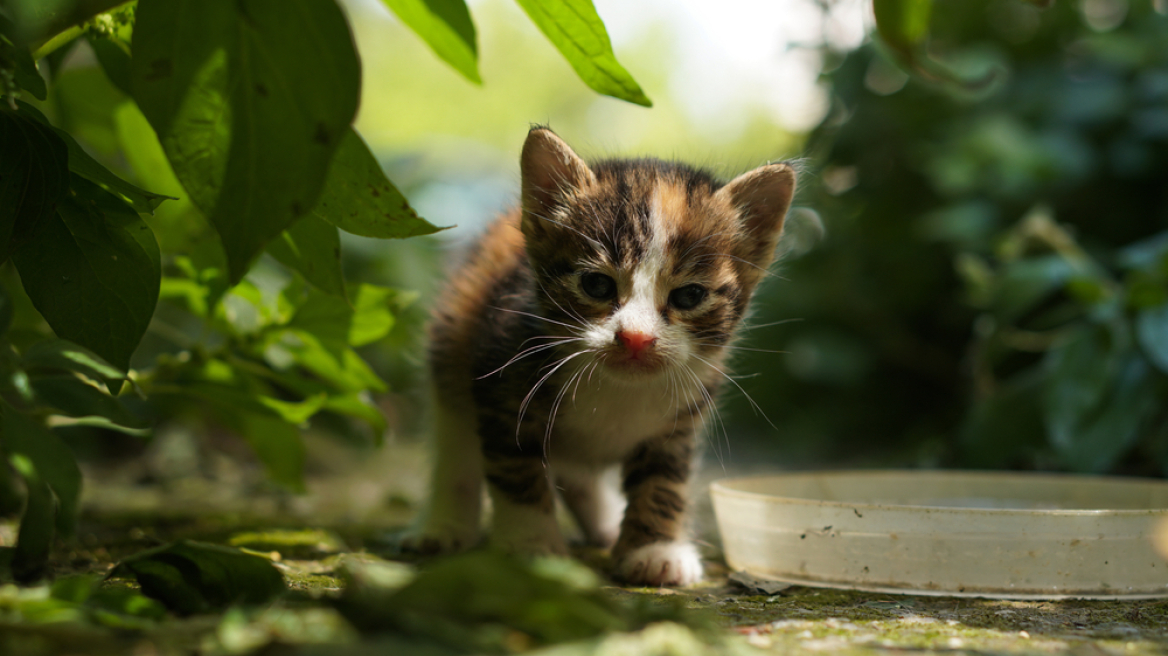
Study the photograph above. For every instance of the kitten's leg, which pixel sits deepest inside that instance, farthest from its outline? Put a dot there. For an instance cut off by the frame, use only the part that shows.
(596, 503)
(524, 506)
(451, 519)
(653, 548)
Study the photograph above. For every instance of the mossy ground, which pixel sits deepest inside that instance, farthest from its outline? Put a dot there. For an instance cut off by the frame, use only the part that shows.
(359, 511)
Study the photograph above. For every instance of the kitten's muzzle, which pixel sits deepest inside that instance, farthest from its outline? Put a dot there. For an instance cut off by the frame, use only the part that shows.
(636, 343)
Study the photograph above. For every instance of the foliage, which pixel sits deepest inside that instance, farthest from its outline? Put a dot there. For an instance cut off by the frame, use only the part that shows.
(993, 287)
(219, 293)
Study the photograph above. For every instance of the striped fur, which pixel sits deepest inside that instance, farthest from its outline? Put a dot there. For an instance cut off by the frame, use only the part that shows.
(587, 333)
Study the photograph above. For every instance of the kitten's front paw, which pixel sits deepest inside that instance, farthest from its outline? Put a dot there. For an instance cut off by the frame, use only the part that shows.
(438, 539)
(661, 563)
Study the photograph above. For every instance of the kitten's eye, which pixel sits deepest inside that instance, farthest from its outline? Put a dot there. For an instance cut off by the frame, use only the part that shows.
(688, 297)
(598, 286)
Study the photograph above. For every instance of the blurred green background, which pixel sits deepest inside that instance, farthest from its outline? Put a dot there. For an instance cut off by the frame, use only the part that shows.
(990, 285)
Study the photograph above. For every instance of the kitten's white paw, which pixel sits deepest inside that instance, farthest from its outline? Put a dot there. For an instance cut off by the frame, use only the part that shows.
(438, 539)
(661, 563)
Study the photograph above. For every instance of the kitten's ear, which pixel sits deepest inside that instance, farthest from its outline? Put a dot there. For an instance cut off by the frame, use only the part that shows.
(551, 171)
(762, 197)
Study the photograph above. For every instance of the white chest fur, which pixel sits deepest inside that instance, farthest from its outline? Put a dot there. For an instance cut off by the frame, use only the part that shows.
(601, 421)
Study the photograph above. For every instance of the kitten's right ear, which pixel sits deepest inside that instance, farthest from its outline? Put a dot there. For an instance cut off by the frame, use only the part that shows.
(551, 172)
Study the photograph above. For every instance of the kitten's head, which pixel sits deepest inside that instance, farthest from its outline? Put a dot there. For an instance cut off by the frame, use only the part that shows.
(650, 263)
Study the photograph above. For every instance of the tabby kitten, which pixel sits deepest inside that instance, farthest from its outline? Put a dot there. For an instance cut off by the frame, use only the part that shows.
(587, 331)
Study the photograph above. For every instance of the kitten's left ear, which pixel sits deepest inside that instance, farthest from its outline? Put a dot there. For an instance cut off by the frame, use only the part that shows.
(551, 172)
(761, 197)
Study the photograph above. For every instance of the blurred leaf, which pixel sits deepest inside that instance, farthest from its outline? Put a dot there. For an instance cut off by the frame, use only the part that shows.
(903, 26)
(1096, 398)
(5, 310)
(1025, 283)
(76, 398)
(576, 30)
(1004, 428)
(34, 176)
(360, 200)
(313, 248)
(60, 354)
(114, 56)
(194, 577)
(81, 163)
(476, 601)
(277, 444)
(331, 360)
(93, 271)
(25, 73)
(49, 470)
(1152, 331)
(331, 319)
(250, 100)
(446, 26)
(34, 537)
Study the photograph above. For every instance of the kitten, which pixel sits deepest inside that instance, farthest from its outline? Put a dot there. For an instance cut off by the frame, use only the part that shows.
(587, 332)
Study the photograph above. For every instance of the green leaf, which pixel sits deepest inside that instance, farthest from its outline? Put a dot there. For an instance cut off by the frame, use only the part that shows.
(93, 272)
(74, 397)
(34, 537)
(6, 310)
(1023, 284)
(1003, 429)
(330, 360)
(250, 100)
(576, 30)
(81, 163)
(369, 318)
(446, 26)
(903, 24)
(25, 75)
(1152, 331)
(277, 444)
(114, 56)
(34, 177)
(313, 248)
(63, 355)
(1097, 396)
(360, 200)
(194, 577)
(51, 461)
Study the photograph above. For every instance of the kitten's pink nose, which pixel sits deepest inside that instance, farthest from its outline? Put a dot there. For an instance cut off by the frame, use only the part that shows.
(635, 342)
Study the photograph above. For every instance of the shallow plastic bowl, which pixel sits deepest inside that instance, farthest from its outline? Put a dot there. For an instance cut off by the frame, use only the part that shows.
(1002, 535)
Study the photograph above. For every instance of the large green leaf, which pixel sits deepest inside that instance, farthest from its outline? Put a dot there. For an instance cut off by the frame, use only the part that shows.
(74, 397)
(93, 270)
(446, 26)
(312, 247)
(367, 320)
(575, 29)
(63, 355)
(195, 577)
(34, 176)
(250, 99)
(360, 200)
(83, 164)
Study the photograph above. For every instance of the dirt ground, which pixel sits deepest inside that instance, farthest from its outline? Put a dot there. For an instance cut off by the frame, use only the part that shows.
(357, 500)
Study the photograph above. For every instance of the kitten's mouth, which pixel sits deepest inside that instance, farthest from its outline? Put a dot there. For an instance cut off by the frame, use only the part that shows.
(635, 364)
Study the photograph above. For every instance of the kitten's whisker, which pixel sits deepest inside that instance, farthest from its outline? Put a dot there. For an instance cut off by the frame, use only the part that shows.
(757, 408)
(531, 394)
(717, 422)
(531, 351)
(534, 316)
(547, 436)
(746, 328)
(732, 347)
